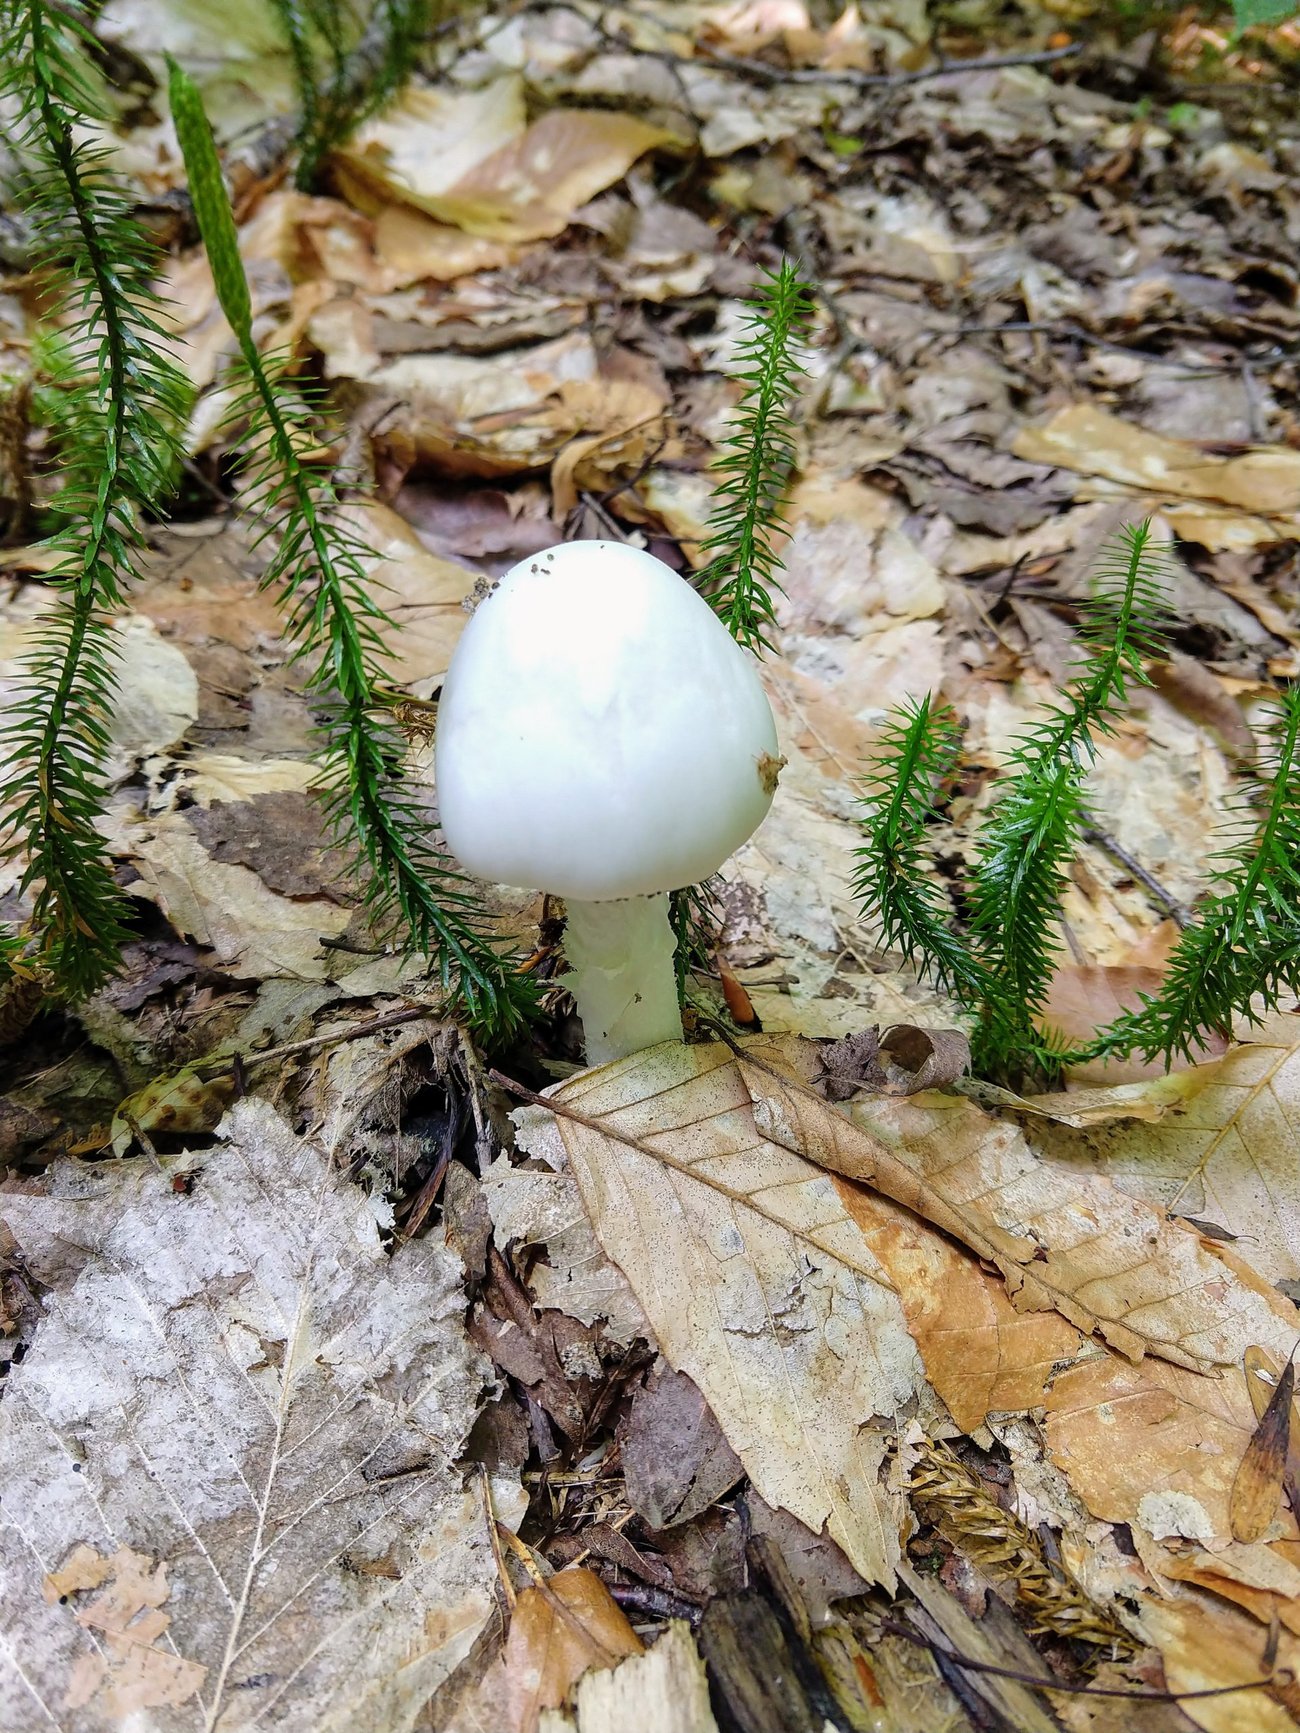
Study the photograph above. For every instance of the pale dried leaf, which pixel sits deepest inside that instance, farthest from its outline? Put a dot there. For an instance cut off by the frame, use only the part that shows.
(240, 1386)
(758, 1283)
(465, 158)
(1262, 483)
(1216, 1142)
(254, 931)
(543, 1212)
(422, 594)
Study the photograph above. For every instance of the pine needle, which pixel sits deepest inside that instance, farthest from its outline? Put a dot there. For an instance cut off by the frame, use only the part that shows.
(334, 621)
(758, 455)
(116, 405)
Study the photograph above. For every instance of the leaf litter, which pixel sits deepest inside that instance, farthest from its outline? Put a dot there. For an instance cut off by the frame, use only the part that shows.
(1086, 1299)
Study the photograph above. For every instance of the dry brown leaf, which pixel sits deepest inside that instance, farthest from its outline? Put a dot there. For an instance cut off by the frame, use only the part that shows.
(127, 1671)
(1062, 1240)
(630, 417)
(494, 415)
(1257, 1488)
(466, 158)
(1263, 484)
(422, 593)
(1206, 1645)
(254, 932)
(758, 1283)
(238, 1377)
(558, 1631)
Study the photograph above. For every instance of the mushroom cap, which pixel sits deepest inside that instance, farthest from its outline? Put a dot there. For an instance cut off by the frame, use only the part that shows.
(600, 733)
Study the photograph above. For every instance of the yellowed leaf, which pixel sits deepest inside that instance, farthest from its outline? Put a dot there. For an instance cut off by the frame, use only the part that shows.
(425, 141)
(629, 418)
(1063, 1240)
(412, 248)
(129, 1669)
(758, 1282)
(1088, 440)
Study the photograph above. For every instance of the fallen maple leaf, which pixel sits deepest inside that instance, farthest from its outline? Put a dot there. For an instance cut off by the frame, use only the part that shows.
(240, 1384)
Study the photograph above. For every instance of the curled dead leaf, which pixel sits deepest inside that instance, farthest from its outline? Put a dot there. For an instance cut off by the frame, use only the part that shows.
(1257, 1489)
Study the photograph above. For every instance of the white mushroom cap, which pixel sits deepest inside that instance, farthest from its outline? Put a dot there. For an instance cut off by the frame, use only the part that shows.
(600, 733)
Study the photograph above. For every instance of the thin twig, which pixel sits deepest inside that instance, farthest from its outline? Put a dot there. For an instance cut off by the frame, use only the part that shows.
(1102, 839)
(896, 1629)
(1067, 328)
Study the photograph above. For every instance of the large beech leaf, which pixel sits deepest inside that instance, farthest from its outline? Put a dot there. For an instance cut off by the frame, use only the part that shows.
(758, 1282)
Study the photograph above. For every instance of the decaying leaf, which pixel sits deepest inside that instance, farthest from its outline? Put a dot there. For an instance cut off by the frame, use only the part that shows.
(757, 1281)
(1216, 1142)
(229, 1448)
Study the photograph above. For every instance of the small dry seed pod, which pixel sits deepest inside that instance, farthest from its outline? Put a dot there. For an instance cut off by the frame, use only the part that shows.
(603, 737)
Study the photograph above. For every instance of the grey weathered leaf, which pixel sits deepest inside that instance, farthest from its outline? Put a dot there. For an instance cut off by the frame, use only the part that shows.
(227, 1496)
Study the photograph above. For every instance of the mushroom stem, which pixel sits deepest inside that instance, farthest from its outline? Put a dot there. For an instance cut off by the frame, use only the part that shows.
(623, 978)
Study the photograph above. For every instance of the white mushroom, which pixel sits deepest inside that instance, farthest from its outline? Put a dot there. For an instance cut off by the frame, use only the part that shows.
(601, 736)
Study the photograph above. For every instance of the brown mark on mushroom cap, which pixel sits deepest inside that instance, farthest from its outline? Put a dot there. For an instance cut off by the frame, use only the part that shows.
(769, 772)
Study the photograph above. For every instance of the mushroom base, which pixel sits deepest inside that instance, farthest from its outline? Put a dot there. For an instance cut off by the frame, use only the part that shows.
(623, 978)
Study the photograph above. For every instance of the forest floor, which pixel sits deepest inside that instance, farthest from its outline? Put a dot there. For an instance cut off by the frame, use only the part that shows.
(343, 1391)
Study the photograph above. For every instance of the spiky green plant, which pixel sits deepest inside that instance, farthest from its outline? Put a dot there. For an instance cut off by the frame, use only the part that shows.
(1243, 950)
(318, 568)
(115, 404)
(758, 455)
(1003, 964)
(344, 73)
